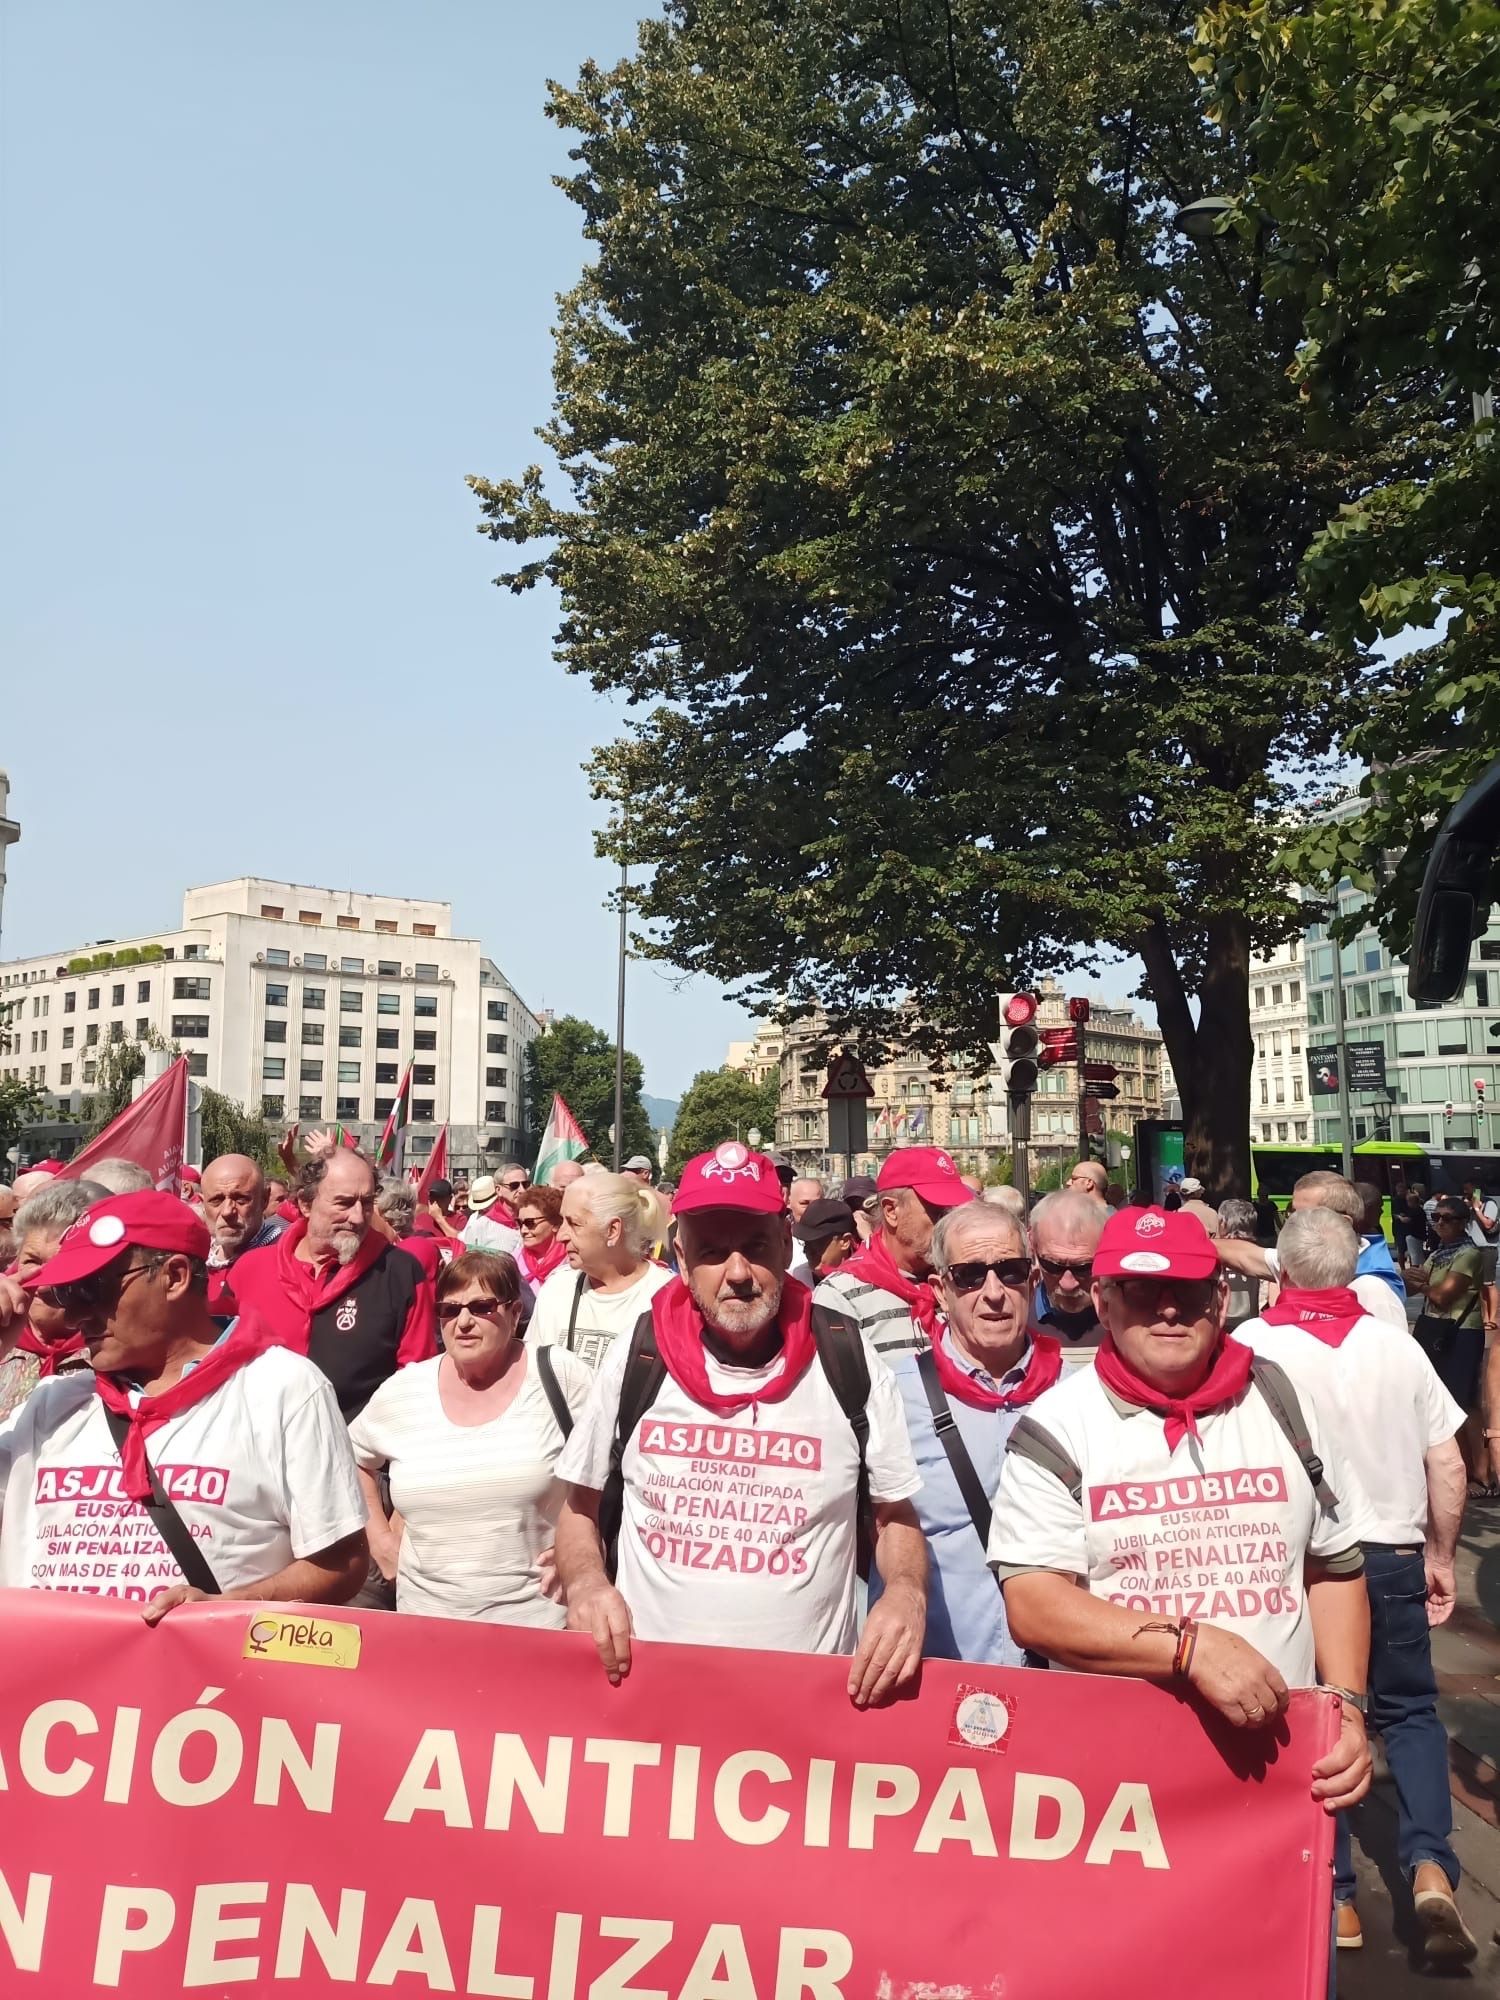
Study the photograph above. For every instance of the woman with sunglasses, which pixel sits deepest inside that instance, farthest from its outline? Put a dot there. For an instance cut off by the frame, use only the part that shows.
(468, 1444)
(538, 1212)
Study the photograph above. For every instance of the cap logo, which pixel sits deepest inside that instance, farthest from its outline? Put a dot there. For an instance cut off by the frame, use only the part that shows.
(1150, 1225)
(1145, 1260)
(107, 1230)
(732, 1162)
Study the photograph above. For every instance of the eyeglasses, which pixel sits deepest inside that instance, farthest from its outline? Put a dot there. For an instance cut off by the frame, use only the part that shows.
(99, 1288)
(530, 1221)
(1192, 1297)
(452, 1309)
(513, 1187)
(1055, 1267)
(969, 1277)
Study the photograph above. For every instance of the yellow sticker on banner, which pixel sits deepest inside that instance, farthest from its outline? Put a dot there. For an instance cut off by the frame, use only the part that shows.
(311, 1642)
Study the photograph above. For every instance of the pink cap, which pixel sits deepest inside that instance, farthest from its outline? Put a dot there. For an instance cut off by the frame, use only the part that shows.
(731, 1176)
(1155, 1243)
(928, 1171)
(146, 1220)
(189, 1174)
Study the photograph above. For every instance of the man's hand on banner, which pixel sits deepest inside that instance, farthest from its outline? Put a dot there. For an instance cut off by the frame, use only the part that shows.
(889, 1653)
(600, 1610)
(1343, 1777)
(1236, 1680)
(180, 1593)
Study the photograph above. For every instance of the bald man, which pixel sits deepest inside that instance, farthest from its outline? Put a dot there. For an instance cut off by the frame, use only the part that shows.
(564, 1174)
(233, 1191)
(1089, 1177)
(31, 1182)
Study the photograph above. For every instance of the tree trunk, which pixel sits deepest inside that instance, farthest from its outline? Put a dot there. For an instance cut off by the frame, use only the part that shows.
(1212, 1057)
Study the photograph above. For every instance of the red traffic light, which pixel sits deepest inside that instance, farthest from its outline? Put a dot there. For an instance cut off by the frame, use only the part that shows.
(1078, 1010)
(1019, 1009)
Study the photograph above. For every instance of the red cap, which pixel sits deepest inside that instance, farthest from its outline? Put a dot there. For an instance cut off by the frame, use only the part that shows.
(189, 1174)
(146, 1220)
(928, 1171)
(731, 1176)
(1155, 1243)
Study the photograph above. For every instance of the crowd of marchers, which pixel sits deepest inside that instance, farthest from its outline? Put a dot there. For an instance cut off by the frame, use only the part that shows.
(1201, 1446)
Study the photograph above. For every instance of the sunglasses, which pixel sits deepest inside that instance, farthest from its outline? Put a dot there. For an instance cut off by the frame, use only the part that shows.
(530, 1221)
(513, 1187)
(451, 1309)
(969, 1277)
(1191, 1296)
(85, 1295)
(1055, 1266)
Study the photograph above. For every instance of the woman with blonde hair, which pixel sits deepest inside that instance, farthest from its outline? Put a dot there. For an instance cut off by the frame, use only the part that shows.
(609, 1223)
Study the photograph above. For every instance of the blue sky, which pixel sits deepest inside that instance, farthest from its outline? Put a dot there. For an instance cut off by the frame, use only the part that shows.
(276, 275)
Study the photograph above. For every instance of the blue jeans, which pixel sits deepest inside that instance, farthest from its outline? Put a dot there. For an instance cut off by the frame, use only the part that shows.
(1403, 1711)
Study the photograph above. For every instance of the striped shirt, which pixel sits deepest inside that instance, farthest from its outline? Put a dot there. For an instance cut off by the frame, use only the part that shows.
(883, 1319)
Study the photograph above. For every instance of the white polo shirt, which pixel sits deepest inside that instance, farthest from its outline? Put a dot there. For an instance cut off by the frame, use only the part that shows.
(1217, 1530)
(1380, 1396)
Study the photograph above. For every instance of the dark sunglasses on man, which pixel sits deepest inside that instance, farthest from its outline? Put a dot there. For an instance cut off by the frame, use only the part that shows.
(969, 1276)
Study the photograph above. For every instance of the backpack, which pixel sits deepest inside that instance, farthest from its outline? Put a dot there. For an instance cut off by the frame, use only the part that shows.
(840, 1352)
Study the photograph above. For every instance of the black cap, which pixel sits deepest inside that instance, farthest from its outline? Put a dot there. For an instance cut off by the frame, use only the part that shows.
(824, 1218)
(857, 1189)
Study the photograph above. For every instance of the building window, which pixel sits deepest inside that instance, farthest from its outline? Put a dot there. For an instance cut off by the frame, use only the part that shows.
(351, 965)
(1296, 1090)
(1275, 997)
(387, 1072)
(1275, 1045)
(190, 951)
(1452, 1038)
(197, 1063)
(273, 1107)
(1294, 991)
(276, 996)
(91, 1035)
(348, 1072)
(90, 1071)
(387, 1038)
(494, 1045)
(70, 1002)
(494, 1114)
(312, 1034)
(315, 961)
(309, 1107)
(427, 972)
(1260, 1001)
(424, 1038)
(1265, 1091)
(142, 1028)
(387, 1003)
(275, 1031)
(309, 916)
(383, 1106)
(273, 1069)
(425, 1006)
(424, 930)
(424, 1074)
(351, 1000)
(117, 1031)
(421, 1110)
(142, 992)
(93, 998)
(346, 1108)
(1296, 1042)
(65, 1075)
(385, 926)
(188, 1027)
(68, 1038)
(116, 996)
(274, 911)
(347, 923)
(276, 956)
(190, 989)
(496, 1010)
(350, 1038)
(313, 999)
(312, 1069)
(1281, 1129)
(388, 968)
(495, 1079)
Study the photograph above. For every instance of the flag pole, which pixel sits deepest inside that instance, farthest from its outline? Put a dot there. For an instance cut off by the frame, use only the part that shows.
(620, 1021)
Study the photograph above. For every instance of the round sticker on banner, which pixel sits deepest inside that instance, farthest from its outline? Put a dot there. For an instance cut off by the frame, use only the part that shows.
(107, 1230)
(1145, 1260)
(1150, 1225)
(981, 1719)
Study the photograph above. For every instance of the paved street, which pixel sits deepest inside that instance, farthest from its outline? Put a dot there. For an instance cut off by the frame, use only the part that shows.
(1467, 1652)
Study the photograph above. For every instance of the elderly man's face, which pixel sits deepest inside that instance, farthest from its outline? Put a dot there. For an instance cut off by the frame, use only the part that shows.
(909, 1222)
(38, 1247)
(1088, 1177)
(342, 1207)
(735, 1266)
(1064, 1253)
(564, 1174)
(234, 1201)
(985, 1292)
(801, 1195)
(1166, 1328)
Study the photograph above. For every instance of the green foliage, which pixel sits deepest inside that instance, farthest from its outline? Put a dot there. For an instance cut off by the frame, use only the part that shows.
(21, 1105)
(101, 961)
(1375, 132)
(229, 1128)
(721, 1104)
(150, 953)
(118, 1064)
(130, 954)
(78, 965)
(939, 509)
(577, 1060)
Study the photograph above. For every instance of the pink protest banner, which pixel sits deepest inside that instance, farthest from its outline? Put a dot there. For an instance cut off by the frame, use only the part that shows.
(262, 1800)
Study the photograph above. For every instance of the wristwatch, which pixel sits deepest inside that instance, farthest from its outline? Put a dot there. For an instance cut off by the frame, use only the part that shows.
(1359, 1701)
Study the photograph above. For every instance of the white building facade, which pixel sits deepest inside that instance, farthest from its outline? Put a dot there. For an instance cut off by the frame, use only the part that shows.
(305, 1004)
(1280, 1106)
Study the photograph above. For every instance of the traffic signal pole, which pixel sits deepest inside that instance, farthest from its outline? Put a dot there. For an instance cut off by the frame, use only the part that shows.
(1085, 1151)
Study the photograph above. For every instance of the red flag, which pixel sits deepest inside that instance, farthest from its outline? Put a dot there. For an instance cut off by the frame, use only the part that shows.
(395, 1126)
(151, 1132)
(436, 1169)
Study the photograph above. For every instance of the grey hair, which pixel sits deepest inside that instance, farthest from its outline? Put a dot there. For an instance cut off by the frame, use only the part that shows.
(1318, 1249)
(56, 1206)
(1070, 1208)
(1238, 1222)
(621, 1198)
(120, 1176)
(953, 1219)
(1006, 1197)
(1332, 1191)
(397, 1202)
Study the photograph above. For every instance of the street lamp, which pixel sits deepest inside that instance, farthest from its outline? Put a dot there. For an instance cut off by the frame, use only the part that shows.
(1199, 220)
(752, 1138)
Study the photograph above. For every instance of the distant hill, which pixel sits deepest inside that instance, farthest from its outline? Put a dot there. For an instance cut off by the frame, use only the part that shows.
(662, 1111)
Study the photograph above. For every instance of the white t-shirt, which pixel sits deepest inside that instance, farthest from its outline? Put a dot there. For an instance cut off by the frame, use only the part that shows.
(1380, 1396)
(1373, 1293)
(261, 1472)
(601, 1318)
(740, 1531)
(480, 1501)
(480, 1233)
(1218, 1531)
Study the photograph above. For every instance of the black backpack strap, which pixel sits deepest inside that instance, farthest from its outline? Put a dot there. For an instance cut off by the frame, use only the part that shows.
(645, 1371)
(970, 1485)
(841, 1352)
(1029, 1439)
(573, 1314)
(552, 1389)
(170, 1525)
(1280, 1398)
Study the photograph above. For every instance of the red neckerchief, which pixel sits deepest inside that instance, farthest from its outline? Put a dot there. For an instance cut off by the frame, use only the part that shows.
(1042, 1369)
(877, 1266)
(314, 1286)
(537, 1270)
(249, 1338)
(679, 1340)
(51, 1352)
(1225, 1380)
(1328, 1315)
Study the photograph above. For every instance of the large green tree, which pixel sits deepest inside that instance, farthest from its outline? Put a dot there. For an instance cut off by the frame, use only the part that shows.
(21, 1104)
(721, 1104)
(1375, 133)
(939, 507)
(577, 1060)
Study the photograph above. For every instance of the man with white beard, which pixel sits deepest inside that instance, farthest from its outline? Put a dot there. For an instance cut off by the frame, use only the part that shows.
(336, 1289)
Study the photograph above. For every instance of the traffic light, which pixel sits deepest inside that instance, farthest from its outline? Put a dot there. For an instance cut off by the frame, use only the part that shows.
(1020, 1043)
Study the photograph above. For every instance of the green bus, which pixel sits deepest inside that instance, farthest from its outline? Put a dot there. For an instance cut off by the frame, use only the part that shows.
(1391, 1164)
